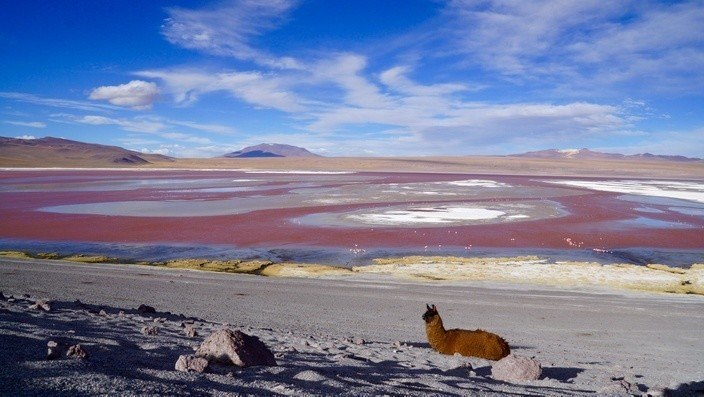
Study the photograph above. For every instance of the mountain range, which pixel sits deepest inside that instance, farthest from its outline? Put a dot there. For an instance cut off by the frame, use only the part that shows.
(58, 152)
(589, 154)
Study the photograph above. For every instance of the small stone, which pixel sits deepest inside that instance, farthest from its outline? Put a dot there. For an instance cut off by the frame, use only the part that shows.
(77, 351)
(146, 309)
(190, 331)
(191, 363)
(103, 313)
(11, 300)
(359, 341)
(657, 392)
(41, 305)
(397, 343)
(618, 387)
(309, 376)
(516, 368)
(150, 330)
(121, 313)
(53, 351)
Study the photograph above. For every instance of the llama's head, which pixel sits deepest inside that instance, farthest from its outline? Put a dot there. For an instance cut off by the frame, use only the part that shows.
(430, 313)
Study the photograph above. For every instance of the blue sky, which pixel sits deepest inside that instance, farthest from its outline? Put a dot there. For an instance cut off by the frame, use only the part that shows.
(356, 78)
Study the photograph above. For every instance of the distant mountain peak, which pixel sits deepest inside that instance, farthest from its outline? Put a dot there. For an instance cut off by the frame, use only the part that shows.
(271, 150)
(590, 154)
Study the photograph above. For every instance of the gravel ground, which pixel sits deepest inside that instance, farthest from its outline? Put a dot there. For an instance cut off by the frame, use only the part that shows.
(587, 340)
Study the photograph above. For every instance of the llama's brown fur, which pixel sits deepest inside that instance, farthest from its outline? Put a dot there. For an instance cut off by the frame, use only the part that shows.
(476, 343)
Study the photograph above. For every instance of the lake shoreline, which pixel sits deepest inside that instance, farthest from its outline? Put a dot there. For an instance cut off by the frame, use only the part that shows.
(509, 270)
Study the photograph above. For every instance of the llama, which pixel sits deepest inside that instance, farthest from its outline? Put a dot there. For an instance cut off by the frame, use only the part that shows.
(477, 343)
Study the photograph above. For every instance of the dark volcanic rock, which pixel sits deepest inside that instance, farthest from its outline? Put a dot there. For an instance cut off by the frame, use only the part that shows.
(146, 309)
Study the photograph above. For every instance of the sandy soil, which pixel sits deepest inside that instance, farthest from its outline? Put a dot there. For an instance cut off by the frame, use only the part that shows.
(587, 340)
(466, 164)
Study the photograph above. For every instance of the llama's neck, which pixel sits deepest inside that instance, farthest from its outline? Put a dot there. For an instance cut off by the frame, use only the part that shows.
(436, 332)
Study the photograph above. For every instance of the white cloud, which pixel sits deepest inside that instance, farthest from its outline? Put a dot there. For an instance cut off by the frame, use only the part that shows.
(136, 94)
(685, 142)
(584, 44)
(26, 137)
(31, 124)
(227, 29)
(135, 125)
(164, 150)
(256, 88)
(190, 151)
(428, 115)
(55, 102)
(214, 128)
(177, 136)
(345, 71)
(396, 79)
(162, 128)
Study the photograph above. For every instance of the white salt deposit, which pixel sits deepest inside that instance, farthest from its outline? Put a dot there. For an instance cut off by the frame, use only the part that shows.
(477, 183)
(688, 210)
(427, 215)
(691, 191)
(302, 172)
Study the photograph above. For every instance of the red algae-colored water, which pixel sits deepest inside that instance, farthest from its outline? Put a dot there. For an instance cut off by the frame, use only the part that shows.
(356, 210)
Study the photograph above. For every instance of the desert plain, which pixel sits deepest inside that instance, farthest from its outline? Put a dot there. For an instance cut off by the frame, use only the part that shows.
(594, 269)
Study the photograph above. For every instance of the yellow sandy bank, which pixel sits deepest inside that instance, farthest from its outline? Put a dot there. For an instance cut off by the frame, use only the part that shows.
(516, 270)
(534, 270)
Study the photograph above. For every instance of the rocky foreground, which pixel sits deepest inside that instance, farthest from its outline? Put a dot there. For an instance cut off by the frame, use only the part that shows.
(71, 348)
(127, 336)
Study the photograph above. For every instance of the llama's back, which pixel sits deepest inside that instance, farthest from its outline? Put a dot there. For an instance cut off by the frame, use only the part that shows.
(477, 343)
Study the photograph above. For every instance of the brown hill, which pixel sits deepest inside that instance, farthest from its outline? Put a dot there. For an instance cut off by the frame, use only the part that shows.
(57, 152)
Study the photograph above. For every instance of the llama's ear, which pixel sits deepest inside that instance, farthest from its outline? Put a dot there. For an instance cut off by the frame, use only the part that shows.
(434, 308)
(428, 307)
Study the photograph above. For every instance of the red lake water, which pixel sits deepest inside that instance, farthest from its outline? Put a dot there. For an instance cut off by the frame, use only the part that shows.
(350, 211)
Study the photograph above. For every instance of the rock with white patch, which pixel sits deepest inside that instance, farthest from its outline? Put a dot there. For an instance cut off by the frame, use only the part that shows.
(230, 347)
(516, 368)
(77, 351)
(191, 363)
(41, 305)
(150, 330)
